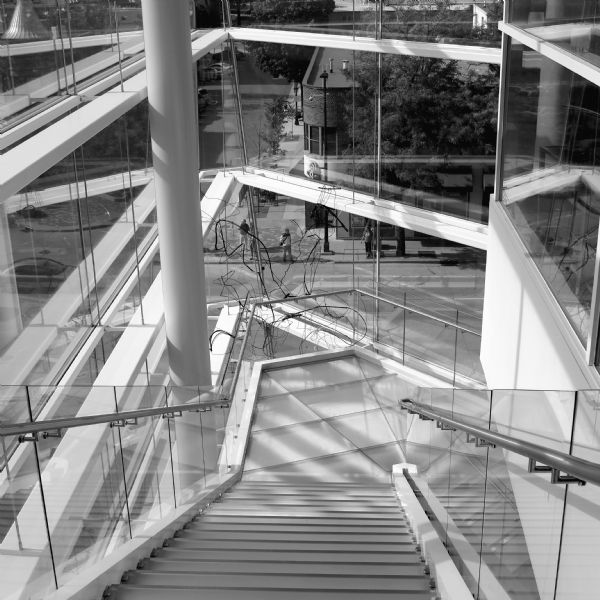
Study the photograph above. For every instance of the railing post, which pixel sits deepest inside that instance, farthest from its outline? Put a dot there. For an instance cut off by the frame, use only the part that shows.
(123, 469)
(42, 496)
(455, 351)
(404, 331)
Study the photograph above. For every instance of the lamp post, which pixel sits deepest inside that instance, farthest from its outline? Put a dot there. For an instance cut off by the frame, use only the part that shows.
(324, 77)
(296, 122)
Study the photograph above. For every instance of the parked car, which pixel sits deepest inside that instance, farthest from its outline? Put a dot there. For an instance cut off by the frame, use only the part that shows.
(220, 68)
(36, 274)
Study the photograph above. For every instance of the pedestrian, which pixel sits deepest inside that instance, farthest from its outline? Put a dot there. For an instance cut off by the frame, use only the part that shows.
(244, 229)
(286, 242)
(367, 238)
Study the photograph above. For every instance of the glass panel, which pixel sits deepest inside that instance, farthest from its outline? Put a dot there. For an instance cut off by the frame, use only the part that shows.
(544, 418)
(444, 22)
(435, 114)
(220, 142)
(85, 496)
(148, 469)
(467, 361)
(355, 78)
(196, 440)
(25, 555)
(427, 343)
(272, 94)
(57, 62)
(549, 160)
(65, 402)
(441, 278)
(139, 397)
(316, 16)
(578, 575)
(570, 24)
(553, 412)
(70, 238)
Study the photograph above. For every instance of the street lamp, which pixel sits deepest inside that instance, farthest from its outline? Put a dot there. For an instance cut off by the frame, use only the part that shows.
(296, 122)
(324, 77)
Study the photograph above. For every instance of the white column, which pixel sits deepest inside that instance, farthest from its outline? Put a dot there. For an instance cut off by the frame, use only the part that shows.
(173, 126)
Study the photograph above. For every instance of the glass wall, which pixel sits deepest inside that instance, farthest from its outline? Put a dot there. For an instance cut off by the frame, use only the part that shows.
(442, 21)
(438, 134)
(569, 24)
(50, 50)
(422, 20)
(414, 130)
(550, 158)
(218, 119)
(69, 240)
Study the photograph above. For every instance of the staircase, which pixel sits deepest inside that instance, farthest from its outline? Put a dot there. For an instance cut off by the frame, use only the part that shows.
(287, 539)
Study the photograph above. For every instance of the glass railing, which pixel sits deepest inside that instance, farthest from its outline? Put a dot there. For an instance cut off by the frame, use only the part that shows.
(106, 468)
(301, 325)
(511, 505)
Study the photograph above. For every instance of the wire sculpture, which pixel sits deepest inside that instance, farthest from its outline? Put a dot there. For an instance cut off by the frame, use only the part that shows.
(246, 270)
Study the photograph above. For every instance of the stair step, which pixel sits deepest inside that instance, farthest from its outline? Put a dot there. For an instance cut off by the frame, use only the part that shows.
(291, 537)
(285, 546)
(220, 510)
(254, 483)
(226, 527)
(340, 495)
(363, 521)
(182, 553)
(140, 592)
(310, 501)
(333, 494)
(277, 581)
(267, 567)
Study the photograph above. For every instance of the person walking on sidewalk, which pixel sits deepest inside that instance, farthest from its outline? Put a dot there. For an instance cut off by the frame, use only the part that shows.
(244, 230)
(286, 242)
(367, 238)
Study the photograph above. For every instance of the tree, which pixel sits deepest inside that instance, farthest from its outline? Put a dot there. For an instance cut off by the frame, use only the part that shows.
(428, 107)
(285, 12)
(281, 60)
(440, 20)
(285, 60)
(276, 112)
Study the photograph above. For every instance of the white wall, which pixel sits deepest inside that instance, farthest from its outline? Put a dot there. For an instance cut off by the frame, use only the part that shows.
(527, 341)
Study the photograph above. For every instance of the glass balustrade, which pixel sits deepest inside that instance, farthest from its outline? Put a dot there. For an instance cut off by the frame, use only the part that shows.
(356, 318)
(73, 495)
(510, 530)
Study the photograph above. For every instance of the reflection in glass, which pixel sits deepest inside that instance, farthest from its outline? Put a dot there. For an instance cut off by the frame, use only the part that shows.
(578, 574)
(298, 15)
(438, 129)
(570, 24)
(69, 240)
(550, 161)
(43, 56)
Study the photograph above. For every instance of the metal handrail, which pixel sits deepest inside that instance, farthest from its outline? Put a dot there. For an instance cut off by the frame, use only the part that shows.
(120, 418)
(236, 374)
(577, 470)
(418, 312)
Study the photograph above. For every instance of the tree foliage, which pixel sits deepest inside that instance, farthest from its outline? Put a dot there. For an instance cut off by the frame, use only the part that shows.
(285, 60)
(428, 107)
(439, 20)
(275, 114)
(291, 11)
